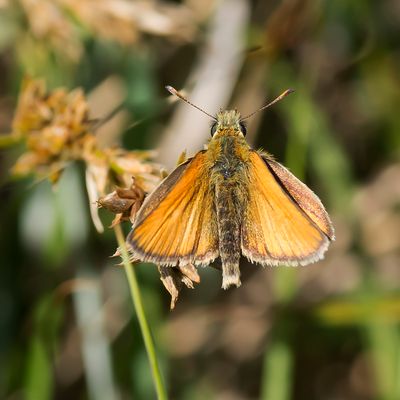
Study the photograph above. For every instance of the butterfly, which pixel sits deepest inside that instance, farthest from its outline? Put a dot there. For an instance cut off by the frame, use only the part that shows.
(231, 200)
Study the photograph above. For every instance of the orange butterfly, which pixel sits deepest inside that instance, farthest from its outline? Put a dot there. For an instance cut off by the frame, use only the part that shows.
(228, 201)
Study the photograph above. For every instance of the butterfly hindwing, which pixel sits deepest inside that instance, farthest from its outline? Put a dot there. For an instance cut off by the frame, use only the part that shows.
(303, 196)
(177, 223)
(275, 227)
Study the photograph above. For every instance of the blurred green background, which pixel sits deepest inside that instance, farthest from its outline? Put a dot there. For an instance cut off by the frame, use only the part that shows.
(325, 331)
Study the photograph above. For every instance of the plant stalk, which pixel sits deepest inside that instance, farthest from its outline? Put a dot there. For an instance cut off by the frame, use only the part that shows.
(144, 326)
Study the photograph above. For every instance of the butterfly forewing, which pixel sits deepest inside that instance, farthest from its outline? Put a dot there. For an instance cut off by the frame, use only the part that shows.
(275, 229)
(177, 223)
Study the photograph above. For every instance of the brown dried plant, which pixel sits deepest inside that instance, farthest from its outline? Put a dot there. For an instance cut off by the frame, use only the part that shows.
(57, 130)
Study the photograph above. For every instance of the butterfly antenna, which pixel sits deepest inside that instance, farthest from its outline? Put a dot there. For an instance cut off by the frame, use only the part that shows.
(181, 96)
(280, 97)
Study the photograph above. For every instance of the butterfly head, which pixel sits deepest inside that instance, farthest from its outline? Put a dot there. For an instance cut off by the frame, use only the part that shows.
(228, 123)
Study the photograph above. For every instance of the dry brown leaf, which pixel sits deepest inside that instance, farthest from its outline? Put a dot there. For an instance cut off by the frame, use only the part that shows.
(174, 277)
(123, 202)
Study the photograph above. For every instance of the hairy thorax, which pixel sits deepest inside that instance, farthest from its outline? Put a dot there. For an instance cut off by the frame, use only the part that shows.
(228, 155)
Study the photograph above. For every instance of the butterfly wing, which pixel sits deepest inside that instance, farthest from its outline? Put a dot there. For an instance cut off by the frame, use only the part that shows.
(303, 196)
(177, 222)
(284, 222)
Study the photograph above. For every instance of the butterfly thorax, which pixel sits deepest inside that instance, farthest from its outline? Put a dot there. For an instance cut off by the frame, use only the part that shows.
(228, 151)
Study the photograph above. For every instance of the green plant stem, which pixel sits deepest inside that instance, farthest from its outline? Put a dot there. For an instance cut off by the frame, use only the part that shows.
(278, 370)
(144, 326)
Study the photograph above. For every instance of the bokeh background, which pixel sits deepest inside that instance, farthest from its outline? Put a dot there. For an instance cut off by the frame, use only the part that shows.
(325, 331)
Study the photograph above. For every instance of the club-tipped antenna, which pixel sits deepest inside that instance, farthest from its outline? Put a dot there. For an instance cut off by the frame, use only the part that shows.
(280, 97)
(181, 96)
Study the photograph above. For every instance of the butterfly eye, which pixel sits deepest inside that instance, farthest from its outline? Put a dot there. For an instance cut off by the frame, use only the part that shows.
(213, 128)
(243, 128)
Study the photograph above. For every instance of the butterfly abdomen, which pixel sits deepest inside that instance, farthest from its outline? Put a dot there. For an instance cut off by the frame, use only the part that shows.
(230, 198)
(228, 221)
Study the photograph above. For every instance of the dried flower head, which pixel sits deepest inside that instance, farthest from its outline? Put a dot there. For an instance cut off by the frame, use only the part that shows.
(57, 130)
(55, 127)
